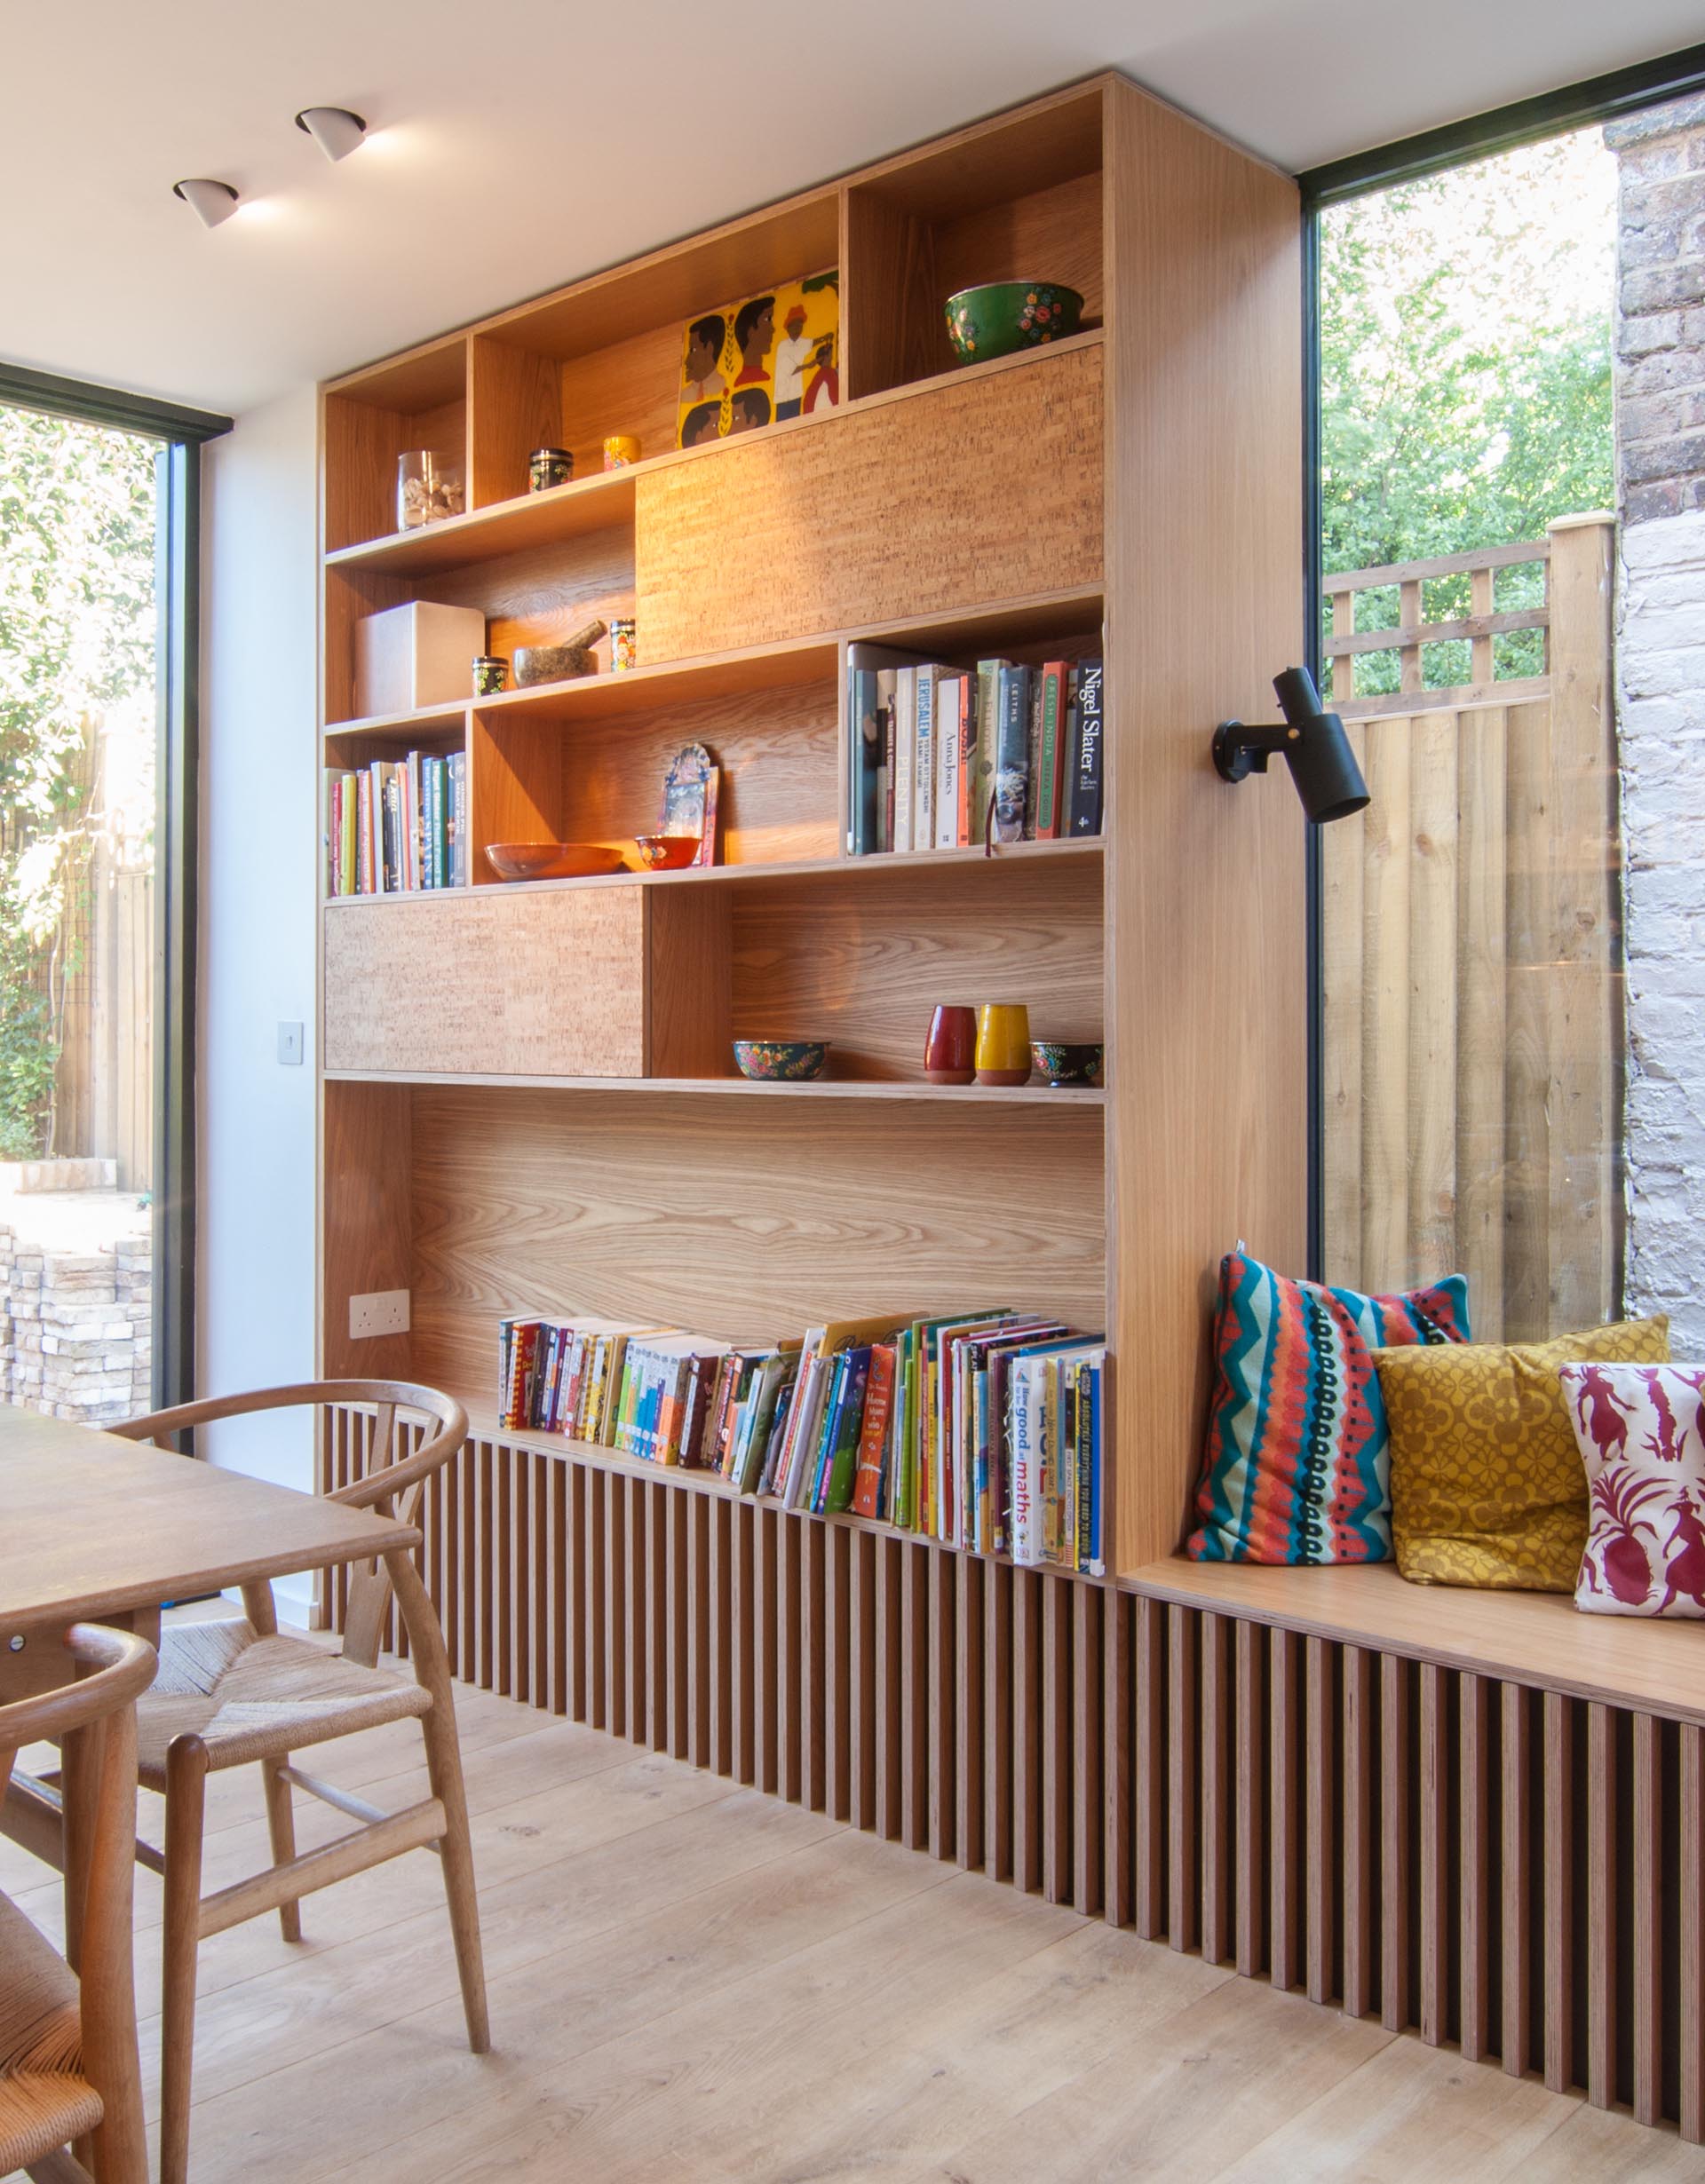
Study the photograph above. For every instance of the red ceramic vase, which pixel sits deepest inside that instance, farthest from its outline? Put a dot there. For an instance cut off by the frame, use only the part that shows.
(950, 1052)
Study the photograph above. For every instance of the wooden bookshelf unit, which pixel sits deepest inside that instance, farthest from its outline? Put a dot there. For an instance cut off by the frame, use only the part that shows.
(528, 1098)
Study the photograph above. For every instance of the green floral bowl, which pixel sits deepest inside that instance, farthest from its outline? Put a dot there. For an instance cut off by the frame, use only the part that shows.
(1003, 317)
(782, 1061)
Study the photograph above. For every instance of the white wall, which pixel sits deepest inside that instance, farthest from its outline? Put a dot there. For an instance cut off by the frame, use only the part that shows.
(259, 834)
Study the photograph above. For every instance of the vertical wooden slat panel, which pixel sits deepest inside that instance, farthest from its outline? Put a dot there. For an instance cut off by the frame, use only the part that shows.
(1360, 1881)
(1386, 1012)
(914, 1695)
(520, 1566)
(1057, 1739)
(887, 1680)
(997, 1721)
(789, 1666)
(1285, 1821)
(718, 1579)
(1431, 1170)
(766, 1743)
(597, 1485)
(561, 1592)
(1251, 1801)
(1343, 852)
(678, 1626)
(699, 1664)
(837, 1672)
(578, 1516)
(1528, 822)
(744, 1640)
(1027, 1729)
(1519, 1850)
(867, 1695)
(1474, 1826)
(943, 1725)
(467, 1659)
(639, 1603)
(813, 1759)
(1323, 1867)
(1088, 1819)
(1601, 1906)
(1559, 1891)
(1690, 1933)
(968, 1728)
(542, 1467)
(1218, 1801)
(1117, 1898)
(1395, 1806)
(1434, 1837)
(485, 1582)
(615, 1605)
(1181, 1906)
(1646, 1937)
(1149, 1768)
(660, 1681)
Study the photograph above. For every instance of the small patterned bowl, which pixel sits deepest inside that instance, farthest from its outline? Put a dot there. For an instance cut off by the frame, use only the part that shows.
(667, 852)
(782, 1061)
(1065, 1061)
(1003, 317)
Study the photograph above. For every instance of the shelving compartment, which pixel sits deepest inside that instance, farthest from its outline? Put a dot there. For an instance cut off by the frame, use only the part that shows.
(604, 357)
(555, 767)
(1018, 200)
(539, 595)
(372, 417)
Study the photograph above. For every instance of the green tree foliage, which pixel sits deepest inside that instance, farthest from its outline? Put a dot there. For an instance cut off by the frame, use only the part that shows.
(76, 638)
(1466, 377)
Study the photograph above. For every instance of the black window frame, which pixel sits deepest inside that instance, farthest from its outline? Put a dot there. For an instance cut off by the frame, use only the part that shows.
(1434, 151)
(180, 434)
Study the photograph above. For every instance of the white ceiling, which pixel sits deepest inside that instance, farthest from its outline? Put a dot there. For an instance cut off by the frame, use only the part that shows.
(517, 144)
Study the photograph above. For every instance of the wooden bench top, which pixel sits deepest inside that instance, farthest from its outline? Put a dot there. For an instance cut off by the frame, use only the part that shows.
(1656, 1665)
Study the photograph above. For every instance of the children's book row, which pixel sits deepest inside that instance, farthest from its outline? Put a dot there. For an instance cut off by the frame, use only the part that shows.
(397, 824)
(943, 758)
(982, 1430)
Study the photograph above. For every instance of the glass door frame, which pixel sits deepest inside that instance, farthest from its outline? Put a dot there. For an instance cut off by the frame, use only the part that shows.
(180, 434)
(1577, 106)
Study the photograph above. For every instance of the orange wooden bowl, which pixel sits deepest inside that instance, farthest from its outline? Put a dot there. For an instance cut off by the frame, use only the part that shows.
(667, 852)
(553, 860)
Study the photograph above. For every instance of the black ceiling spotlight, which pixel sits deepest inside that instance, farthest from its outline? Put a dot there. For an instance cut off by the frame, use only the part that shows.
(1312, 743)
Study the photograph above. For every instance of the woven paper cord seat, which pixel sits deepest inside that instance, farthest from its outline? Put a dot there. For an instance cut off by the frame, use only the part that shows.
(46, 2102)
(253, 1697)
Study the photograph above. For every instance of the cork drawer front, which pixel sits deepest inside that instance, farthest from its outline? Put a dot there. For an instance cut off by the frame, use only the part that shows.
(921, 505)
(490, 984)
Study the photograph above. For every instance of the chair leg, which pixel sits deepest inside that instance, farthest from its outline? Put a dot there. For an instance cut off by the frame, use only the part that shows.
(186, 1810)
(444, 1768)
(280, 1823)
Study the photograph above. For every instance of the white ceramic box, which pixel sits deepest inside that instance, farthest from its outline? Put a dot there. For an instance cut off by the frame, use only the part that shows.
(414, 655)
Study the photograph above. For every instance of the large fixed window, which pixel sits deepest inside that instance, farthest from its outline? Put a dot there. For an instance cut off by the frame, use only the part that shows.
(99, 552)
(1510, 1036)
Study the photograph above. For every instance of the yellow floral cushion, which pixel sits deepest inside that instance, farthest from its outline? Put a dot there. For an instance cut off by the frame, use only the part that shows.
(1487, 1486)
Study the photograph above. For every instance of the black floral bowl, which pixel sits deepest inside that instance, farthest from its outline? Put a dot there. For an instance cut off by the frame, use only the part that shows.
(781, 1061)
(1066, 1062)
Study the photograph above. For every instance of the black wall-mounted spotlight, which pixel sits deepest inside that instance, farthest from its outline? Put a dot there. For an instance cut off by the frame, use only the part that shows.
(1312, 743)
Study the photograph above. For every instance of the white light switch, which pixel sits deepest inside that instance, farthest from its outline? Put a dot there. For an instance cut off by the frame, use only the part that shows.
(289, 1044)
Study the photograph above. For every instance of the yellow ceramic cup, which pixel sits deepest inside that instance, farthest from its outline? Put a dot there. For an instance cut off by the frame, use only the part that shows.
(1003, 1043)
(619, 450)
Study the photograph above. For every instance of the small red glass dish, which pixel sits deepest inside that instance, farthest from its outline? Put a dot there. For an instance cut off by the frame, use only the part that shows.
(553, 860)
(667, 852)
(951, 1051)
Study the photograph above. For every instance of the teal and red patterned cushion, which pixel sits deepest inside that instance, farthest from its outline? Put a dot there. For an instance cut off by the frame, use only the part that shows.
(1295, 1468)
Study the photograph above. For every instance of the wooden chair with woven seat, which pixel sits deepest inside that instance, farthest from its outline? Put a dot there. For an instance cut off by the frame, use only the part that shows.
(231, 1693)
(68, 2066)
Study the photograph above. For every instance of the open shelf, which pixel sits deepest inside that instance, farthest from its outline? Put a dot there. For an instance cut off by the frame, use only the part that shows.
(873, 868)
(1062, 1097)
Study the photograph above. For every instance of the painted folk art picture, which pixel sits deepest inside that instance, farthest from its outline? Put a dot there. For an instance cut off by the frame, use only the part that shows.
(776, 355)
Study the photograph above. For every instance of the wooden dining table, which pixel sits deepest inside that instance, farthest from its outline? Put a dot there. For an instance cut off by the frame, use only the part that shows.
(94, 1528)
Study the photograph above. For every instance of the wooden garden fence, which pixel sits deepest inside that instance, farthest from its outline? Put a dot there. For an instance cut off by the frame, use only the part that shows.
(1473, 1007)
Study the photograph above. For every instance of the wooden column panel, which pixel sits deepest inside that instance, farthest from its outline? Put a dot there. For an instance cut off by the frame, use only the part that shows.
(517, 407)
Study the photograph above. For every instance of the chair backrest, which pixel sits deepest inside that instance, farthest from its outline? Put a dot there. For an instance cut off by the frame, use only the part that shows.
(386, 1477)
(103, 1703)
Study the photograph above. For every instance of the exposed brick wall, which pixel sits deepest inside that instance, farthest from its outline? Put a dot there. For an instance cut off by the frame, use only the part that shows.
(1660, 682)
(1660, 311)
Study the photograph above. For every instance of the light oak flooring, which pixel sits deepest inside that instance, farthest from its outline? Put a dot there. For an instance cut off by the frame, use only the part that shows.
(691, 1982)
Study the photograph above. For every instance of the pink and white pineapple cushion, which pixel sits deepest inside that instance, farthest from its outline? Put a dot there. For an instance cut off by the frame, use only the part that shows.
(1641, 1432)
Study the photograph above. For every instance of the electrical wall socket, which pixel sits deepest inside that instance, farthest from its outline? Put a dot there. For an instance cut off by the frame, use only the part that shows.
(381, 1311)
